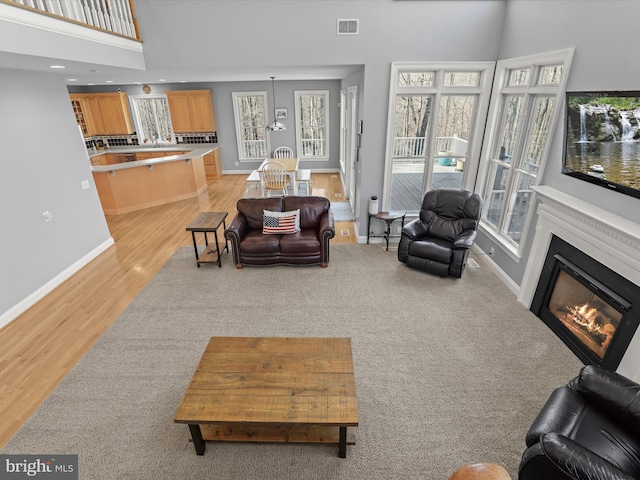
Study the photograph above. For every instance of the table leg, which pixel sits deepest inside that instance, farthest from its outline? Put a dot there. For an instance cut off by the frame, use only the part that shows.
(196, 435)
(195, 247)
(218, 249)
(342, 446)
(388, 233)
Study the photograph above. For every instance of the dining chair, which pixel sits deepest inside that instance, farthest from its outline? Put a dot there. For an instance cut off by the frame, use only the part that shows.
(253, 182)
(274, 177)
(283, 152)
(303, 177)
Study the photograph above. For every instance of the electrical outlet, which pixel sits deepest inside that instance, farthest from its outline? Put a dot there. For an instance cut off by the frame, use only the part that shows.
(48, 216)
(492, 251)
(85, 184)
(237, 164)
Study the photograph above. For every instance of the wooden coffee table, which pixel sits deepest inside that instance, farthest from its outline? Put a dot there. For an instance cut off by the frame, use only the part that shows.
(268, 389)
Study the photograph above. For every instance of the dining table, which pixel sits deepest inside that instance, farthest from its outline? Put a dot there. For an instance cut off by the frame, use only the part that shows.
(291, 165)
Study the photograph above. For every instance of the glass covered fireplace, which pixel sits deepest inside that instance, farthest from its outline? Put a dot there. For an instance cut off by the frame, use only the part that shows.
(589, 306)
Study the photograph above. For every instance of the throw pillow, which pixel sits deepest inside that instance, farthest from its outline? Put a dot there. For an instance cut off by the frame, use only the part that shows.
(279, 223)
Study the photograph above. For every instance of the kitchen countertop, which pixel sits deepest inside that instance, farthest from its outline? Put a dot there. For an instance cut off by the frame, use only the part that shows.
(193, 150)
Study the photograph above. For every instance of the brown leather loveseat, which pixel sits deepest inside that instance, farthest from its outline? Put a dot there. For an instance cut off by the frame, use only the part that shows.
(308, 246)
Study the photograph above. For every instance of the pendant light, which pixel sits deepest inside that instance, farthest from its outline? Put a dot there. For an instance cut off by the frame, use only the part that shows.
(275, 126)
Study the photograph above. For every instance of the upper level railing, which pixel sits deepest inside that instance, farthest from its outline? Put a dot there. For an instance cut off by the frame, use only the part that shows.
(113, 16)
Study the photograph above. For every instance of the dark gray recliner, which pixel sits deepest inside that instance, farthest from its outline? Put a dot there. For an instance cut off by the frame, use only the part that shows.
(439, 241)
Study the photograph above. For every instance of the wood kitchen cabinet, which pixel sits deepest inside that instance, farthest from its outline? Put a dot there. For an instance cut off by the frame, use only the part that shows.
(102, 113)
(191, 111)
(212, 164)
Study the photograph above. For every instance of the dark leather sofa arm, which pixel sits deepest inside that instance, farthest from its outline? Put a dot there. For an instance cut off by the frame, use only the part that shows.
(559, 415)
(326, 231)
(558, 457)
(611, 393)
(465, 239)
(326, 226)
(235, 232)
(415, 229)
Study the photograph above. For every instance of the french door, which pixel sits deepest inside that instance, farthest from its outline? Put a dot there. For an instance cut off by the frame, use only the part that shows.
(434, 136)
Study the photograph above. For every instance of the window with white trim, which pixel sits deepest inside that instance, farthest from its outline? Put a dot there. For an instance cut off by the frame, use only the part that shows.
(312, 124)
(249, 111)
(525, 103)
(437, 114)
(152, 119)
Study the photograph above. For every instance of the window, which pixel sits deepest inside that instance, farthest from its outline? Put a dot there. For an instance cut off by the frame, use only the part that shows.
(249, 112)
(312, 124)
(436, 120)
(152, 119)
(526, 97)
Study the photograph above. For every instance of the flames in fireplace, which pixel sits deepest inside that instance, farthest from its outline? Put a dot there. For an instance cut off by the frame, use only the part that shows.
(591, 308)
(589, 318)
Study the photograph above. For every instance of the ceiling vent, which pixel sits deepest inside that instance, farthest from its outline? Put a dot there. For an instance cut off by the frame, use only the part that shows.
(348, 26)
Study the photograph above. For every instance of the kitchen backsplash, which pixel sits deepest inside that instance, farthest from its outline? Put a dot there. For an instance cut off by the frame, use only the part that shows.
(125, 140)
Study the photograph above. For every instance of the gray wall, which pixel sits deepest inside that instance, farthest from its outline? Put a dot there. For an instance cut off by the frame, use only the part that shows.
(43, 162)
(232, 33)
(603, 60)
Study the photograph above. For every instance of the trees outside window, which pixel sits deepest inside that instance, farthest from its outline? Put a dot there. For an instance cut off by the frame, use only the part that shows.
(249, 112)
(526, 96)
(312, 124)
(152, 119)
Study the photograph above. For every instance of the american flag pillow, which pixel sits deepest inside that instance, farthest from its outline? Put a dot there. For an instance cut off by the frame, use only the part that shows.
(279, 223)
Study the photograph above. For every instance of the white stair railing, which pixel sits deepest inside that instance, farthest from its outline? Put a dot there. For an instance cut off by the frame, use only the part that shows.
(115, 16)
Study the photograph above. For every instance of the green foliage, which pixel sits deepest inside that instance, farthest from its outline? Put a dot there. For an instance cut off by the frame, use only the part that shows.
(618, 103)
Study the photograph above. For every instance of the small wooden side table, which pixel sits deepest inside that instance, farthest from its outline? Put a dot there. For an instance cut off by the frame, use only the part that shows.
(388, 218)
(208, 222)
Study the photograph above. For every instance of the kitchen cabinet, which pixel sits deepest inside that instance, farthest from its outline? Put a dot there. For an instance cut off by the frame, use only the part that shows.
(213, 164)
(102, 113)
(191, 111)
(81, 111)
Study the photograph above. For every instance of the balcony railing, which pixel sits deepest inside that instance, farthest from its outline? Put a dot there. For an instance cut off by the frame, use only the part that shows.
(407, 147)
(113, 16)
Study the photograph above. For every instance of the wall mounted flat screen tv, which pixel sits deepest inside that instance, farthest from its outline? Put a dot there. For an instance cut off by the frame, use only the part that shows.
(602, 139)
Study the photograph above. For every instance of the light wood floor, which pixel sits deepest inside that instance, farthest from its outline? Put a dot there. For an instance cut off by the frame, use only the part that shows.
(41, 346)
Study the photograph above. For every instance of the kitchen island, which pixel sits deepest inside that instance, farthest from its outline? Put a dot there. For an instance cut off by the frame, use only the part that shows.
(125, 183)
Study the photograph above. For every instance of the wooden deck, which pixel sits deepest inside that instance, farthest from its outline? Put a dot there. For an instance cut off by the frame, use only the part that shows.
(406, 185)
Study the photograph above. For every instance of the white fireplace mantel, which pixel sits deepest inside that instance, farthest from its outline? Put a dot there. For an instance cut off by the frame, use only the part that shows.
(608, 238)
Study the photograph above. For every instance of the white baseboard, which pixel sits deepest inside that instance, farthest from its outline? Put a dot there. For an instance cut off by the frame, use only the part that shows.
(497, 271)
(48, 287)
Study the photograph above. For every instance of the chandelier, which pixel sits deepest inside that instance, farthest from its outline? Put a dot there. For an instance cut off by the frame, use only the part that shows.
(275, 126)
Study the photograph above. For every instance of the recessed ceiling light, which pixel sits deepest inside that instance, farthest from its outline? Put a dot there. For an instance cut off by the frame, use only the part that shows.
(90, 83)
(183, 81)
(137, 83)
(162, 79)
(72, 79)
(108, 81)
(57, 66)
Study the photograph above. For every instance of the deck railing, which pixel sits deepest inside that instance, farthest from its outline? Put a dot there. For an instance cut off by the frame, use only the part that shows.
(407, 147)
(113, 16)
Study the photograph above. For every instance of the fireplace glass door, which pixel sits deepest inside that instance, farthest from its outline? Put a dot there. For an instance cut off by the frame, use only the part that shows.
(588, 316)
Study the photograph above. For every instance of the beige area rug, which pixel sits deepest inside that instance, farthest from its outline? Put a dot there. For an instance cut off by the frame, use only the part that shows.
(448, 371)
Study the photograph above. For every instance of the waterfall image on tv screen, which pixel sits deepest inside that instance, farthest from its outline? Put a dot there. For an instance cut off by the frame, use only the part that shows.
(602, 139)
